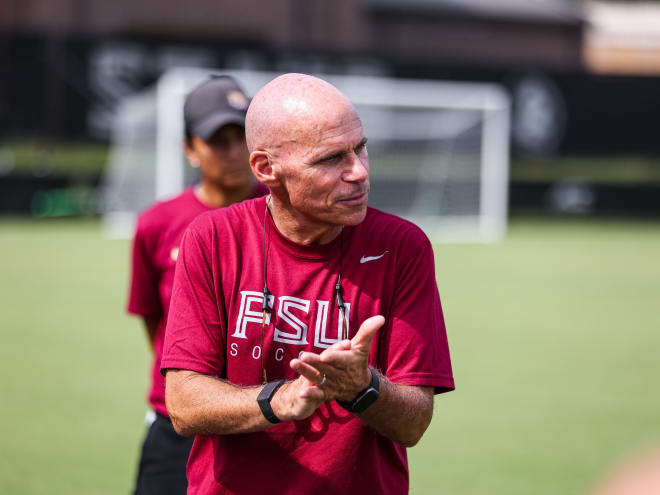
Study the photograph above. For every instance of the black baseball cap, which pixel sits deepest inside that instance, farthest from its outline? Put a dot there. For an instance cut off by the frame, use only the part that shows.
(216, 102)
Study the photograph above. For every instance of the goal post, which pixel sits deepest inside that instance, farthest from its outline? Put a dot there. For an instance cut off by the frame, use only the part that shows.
(438, 151)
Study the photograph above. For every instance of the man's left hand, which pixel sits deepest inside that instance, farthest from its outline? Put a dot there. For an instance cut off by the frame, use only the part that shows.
(342, 370)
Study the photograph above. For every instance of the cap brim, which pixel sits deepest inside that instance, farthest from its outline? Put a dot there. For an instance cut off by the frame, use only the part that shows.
(210, 125)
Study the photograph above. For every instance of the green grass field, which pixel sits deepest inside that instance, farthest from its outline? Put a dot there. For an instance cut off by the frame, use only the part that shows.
(554, 333)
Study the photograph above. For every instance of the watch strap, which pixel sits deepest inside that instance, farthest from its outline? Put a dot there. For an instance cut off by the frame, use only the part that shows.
(365, 398)
(264, 398)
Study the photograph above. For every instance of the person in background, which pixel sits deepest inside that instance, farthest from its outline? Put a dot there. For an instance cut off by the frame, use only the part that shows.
(214, 114)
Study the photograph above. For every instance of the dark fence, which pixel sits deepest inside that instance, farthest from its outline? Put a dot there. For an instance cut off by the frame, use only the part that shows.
(52, 196)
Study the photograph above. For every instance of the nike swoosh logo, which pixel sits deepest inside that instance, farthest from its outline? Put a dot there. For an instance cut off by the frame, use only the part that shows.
(364, 259)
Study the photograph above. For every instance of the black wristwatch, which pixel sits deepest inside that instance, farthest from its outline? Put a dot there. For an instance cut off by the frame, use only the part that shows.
(264, 398)
(365, 398)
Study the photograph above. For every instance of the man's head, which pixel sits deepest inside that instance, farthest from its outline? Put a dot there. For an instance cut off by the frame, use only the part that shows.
(308, 146)
(214, 118)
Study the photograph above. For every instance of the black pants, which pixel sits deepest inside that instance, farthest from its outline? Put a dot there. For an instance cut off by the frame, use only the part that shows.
(162, 468)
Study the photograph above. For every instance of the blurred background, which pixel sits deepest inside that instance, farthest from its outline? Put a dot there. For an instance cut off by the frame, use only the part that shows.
(553, 327)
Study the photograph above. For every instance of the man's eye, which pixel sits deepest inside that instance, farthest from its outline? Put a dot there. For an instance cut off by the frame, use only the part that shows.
(331, 158)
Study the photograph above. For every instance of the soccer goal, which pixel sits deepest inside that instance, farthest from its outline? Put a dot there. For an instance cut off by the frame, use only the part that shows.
(439, 151)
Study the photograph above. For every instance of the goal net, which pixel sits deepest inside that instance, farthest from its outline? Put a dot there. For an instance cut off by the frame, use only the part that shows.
(439, 151)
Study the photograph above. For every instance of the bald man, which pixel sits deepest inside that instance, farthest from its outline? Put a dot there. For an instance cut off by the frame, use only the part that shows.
(306, 338)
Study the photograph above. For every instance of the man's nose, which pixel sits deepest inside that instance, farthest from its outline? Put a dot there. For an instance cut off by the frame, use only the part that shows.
(358, 170)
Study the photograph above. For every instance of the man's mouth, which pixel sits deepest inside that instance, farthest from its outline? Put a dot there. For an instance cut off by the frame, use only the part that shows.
(355, 199)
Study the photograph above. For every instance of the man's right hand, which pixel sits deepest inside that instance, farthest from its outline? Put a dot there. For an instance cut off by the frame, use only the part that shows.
(296, 400)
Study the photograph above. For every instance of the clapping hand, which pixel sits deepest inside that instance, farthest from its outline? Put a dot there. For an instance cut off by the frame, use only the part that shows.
(342, 370)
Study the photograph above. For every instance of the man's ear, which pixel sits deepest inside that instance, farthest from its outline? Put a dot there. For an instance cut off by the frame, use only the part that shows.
(190, 152)
(262, 167)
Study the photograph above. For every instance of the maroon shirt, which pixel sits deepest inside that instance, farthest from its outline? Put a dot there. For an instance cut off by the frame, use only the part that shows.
(215, 328)
(155, 249)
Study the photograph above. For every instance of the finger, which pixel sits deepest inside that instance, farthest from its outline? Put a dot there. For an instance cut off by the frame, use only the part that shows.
(342, 345)
(309, 358)
(327, 357)
(331, 362)
(362, 339)
(331, 371)
(310, 372)
(305, 357)
(312, 393)
(339, 359)
(313, 360)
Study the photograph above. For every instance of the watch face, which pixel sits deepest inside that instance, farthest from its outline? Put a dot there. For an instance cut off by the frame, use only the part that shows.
(364, 401)
(365, 398)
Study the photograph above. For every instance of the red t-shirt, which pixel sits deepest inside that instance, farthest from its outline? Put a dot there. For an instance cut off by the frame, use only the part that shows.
(215, 328)
(155, 248)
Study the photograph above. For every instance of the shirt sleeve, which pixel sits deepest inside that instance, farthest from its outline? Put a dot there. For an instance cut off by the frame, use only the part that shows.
(416, 351)
(193, 337)
(143, 296)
